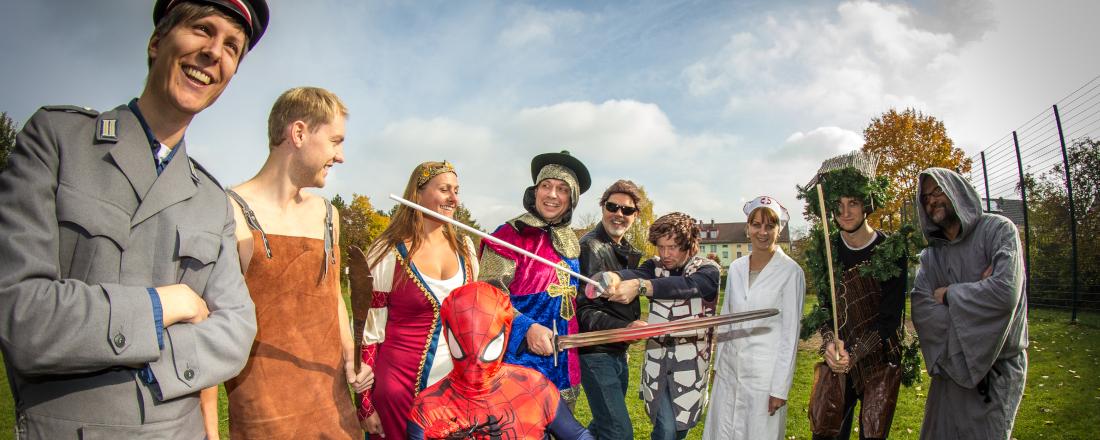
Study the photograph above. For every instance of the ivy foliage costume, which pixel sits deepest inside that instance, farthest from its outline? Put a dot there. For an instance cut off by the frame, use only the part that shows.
(870, 296)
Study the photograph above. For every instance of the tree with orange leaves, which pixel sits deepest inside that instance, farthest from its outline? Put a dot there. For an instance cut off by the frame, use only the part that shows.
(907, 143)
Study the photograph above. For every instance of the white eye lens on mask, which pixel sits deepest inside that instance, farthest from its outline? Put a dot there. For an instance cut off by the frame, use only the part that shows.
(456, 350)
(494, 349)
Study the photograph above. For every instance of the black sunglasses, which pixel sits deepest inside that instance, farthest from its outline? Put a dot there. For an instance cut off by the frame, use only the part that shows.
(626, 210)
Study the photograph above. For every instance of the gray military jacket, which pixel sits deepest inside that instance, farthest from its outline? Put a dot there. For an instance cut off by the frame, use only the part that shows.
(86, 226)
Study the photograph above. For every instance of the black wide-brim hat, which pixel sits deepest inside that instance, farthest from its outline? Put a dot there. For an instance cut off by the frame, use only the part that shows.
(252, 14)
(566, 160)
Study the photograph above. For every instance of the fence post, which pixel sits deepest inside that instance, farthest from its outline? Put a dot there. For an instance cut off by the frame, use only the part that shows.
(985, 178)
(1072, 210)
(1027, 227)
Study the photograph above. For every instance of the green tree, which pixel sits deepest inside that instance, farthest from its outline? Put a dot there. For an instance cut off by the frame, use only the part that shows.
(360, 224)
(7, 139)
(1049, 220)
(638, 234)
(338, 202)
(906, 144)
(463, 215)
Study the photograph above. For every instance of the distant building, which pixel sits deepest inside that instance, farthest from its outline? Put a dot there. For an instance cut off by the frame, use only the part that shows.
(728, 242)
(1013, 209)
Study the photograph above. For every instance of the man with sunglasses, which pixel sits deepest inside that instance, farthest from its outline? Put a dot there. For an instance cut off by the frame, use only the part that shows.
(970, 312)
(604, 370)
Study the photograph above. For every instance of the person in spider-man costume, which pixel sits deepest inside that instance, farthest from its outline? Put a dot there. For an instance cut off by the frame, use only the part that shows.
(482, 397)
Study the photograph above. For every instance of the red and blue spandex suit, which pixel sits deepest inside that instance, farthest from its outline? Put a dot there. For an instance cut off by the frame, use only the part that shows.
(482, 397)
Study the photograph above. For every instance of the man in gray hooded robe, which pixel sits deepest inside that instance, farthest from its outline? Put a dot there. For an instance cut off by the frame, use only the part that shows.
(970, 312)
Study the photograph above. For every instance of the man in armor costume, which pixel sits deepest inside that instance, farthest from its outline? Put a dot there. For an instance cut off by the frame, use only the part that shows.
(544, 298)
(680, 284)
(862, 362)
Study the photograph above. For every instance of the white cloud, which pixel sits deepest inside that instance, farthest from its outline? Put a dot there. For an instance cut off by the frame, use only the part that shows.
(532, 26)
(819, 144)
(608, 131)
(842, 68)
(435, 136)
(708, 175)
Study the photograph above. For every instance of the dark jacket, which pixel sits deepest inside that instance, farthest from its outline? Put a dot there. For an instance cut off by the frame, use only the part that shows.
(599, 254)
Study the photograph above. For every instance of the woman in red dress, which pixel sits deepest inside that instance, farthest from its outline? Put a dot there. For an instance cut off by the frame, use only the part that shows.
(415, 263)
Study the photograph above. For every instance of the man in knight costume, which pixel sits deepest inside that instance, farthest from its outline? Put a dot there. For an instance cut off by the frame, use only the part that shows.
(862, 362)
(680, 284)
(544, 298)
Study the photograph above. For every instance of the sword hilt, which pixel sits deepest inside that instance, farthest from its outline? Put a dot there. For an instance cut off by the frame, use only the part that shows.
(593, 291)
(554, 328)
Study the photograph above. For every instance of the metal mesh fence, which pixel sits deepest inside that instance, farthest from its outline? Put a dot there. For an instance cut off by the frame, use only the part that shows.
(1045, 176)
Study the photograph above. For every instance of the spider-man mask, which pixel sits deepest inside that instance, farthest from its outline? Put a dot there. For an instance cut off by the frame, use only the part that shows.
(477, 318)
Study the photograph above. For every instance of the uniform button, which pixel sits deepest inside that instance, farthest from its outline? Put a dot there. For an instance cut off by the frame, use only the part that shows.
(120, 340)
(189, 374)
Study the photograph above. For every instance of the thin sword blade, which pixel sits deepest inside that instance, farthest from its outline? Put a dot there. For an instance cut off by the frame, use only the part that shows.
(651, 330)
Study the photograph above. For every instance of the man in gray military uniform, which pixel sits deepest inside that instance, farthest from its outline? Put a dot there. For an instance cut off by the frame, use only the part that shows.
(121, 295)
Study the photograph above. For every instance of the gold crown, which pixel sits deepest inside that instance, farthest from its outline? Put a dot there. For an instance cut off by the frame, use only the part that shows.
(430, 172)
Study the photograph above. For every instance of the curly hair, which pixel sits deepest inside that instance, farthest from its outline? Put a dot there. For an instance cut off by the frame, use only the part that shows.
(679, 226)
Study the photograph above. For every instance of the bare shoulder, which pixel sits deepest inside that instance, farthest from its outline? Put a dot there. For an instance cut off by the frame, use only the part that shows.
(315, 206)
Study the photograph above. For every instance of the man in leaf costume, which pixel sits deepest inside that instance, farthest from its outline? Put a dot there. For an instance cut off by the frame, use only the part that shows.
(864, 361)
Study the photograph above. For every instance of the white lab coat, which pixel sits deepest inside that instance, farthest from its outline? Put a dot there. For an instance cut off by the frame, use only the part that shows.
(756, 358)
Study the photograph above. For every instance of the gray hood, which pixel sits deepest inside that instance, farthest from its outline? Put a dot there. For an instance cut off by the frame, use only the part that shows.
(961, 195)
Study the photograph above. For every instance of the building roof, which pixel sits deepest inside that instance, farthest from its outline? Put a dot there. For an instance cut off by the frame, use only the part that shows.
(733, 233)
(1011, 208)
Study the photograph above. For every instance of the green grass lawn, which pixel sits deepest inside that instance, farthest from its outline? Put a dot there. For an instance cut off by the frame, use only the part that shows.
(1061, 400)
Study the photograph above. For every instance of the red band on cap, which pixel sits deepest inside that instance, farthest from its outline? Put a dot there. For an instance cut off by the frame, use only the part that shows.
(244, 11)
(237, 4)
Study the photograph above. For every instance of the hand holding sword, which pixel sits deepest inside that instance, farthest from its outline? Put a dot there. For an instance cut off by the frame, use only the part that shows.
(539, 338)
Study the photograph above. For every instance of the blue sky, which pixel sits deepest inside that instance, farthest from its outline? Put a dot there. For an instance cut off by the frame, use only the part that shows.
(706, 104)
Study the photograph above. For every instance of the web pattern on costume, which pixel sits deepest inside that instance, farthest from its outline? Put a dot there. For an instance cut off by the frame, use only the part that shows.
(483, 398)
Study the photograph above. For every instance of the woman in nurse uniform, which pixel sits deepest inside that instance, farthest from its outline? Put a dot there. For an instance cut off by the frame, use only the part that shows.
(755, 361)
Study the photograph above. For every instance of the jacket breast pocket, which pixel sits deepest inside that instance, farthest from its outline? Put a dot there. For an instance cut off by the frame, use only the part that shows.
(197, 250)
(93, 233)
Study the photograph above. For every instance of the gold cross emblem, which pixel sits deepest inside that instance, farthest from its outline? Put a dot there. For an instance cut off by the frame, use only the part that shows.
(566, 291)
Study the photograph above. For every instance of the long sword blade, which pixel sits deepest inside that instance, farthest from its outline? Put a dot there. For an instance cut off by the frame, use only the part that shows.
(493, 239)
(651, 330)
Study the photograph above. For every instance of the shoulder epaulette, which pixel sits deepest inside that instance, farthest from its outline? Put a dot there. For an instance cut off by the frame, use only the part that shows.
(71, 109)
(196, 166)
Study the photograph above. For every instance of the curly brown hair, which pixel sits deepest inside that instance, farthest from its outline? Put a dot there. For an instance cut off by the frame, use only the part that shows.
(623, 186)
(681, 227)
